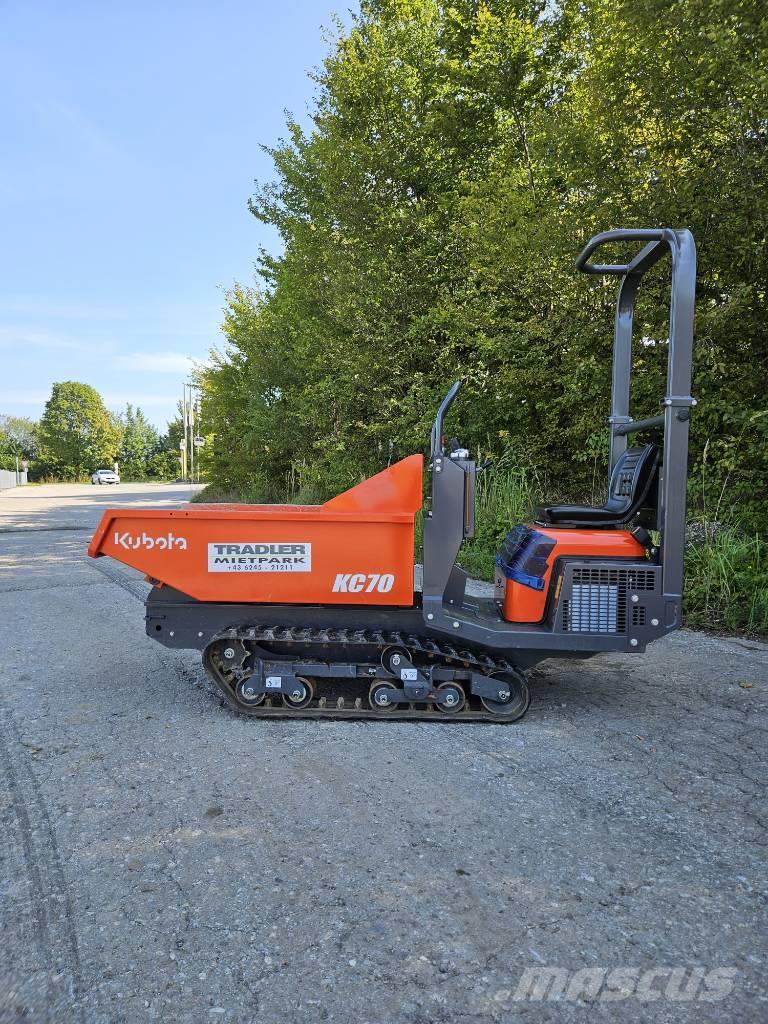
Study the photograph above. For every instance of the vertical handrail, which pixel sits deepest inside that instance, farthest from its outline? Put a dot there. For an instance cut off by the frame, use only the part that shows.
(622, 365)
(436, 446)
(677, 406)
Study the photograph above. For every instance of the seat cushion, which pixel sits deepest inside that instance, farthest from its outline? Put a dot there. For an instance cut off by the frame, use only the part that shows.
(581, 514)
(629, 488)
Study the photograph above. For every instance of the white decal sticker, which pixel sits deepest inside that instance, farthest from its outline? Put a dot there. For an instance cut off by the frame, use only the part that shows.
(359, 583)
(273, 682)
(256, 557)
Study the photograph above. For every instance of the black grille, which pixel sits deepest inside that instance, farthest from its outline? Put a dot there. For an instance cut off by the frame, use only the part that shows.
(597, 599)
(640, 579)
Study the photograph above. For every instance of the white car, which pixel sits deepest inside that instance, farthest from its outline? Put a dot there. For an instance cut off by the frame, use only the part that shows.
(105, 476)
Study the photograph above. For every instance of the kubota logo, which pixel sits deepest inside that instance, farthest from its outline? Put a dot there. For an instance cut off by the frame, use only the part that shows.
(359, 583)
(166, 543)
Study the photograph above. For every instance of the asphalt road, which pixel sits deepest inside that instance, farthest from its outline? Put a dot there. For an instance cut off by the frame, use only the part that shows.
(165, 860)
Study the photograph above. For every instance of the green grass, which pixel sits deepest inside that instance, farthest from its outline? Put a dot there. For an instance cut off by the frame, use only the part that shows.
(505, 496)
(217, 494)
(259, 494)
(726, 586)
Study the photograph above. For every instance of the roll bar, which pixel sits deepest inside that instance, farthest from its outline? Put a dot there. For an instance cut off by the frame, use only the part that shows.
(677, 402)
(660, 240)
(436, 447)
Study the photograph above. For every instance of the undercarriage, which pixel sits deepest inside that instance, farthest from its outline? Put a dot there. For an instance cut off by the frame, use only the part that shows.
(268, 671)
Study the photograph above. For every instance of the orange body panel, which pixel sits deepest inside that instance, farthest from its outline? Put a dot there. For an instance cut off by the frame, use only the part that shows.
(397, 488)
(356, 549)
(523, 604)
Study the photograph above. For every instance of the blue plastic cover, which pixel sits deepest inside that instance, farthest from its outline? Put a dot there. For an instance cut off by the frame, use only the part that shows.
(523, 556)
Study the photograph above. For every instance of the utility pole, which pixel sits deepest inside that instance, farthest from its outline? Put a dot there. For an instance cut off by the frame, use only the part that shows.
(191, 408)
(184, 424)
(190, 414)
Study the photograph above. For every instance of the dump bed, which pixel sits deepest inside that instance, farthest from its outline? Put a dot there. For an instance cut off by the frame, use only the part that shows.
(355, 549)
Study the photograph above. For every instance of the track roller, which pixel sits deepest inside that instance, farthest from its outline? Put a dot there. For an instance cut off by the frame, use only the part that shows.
(379, 695)
(247, 695)
(454, 698)
(300, 695)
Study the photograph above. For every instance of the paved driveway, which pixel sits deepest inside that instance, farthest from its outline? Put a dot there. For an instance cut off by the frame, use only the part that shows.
(164, 860)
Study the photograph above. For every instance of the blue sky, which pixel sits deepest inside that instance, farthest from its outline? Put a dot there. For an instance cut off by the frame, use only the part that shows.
(129, 142)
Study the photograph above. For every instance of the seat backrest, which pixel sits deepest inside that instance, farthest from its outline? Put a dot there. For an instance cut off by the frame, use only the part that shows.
(632, 478)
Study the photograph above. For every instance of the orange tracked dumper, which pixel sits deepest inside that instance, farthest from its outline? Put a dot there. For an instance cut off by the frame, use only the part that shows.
(312, 610)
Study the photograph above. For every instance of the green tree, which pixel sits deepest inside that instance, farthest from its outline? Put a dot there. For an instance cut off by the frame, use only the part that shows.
(140, 443)
(174, 434)
(78, 434)
(19, 436)
(165, 462)
(459, 156)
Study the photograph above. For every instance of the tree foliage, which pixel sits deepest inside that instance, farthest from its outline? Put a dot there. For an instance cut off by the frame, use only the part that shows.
(165, 462)
(139, 445)
(459, 155)
(78, 435)
(19, 438)
(145, 454)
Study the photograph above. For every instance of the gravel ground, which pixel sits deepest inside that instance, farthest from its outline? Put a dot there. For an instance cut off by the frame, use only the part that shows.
(164, 860)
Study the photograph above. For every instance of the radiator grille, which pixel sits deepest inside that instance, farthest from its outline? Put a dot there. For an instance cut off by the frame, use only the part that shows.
(597, 600)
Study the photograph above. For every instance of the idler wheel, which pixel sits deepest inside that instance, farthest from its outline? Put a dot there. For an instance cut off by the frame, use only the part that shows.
(514, 697)
(393, 658)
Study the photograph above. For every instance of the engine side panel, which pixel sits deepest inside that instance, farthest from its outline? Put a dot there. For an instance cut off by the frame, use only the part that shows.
(524, 597)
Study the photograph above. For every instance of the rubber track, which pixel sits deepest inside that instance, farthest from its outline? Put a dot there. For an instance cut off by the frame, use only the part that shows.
(356, 708)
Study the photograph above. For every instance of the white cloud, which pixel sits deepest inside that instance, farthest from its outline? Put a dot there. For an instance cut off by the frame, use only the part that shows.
(156, 362)
(22, 397)
(35, 338)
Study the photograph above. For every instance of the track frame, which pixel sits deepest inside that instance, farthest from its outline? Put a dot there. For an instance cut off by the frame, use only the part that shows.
(241, 653)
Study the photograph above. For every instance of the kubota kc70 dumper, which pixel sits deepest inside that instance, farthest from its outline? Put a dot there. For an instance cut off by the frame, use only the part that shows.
(307, 610)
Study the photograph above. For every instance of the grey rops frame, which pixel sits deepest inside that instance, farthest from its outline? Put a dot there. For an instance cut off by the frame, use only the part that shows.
(677, 402)
(445, 607)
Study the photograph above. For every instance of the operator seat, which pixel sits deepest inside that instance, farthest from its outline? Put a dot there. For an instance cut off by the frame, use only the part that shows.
(630, 489)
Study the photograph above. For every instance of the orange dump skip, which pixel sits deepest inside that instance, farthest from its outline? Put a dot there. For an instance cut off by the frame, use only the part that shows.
(355, 549)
